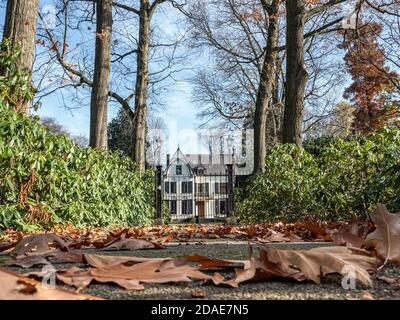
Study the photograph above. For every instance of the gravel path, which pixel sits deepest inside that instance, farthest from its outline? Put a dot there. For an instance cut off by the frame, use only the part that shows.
(330, 288)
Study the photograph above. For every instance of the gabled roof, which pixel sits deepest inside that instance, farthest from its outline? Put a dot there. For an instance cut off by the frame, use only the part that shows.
(214, 164)
(178, 155)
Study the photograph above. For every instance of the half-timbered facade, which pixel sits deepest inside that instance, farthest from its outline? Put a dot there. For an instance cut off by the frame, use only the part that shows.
(198, 186)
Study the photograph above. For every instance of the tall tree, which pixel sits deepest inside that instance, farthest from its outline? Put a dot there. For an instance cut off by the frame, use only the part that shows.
(101, 78)
(133, 70)
(243, 37)
(244, 89)
(297, 14)
(372, 86)
(265, 88)
(20, 29)
(142, 80)
(296, 72)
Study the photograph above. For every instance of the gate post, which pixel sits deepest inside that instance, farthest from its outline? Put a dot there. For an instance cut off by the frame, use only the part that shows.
(231, 190)
(159, 219)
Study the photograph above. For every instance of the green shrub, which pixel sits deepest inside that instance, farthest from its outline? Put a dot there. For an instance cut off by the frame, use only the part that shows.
(341, 179)
(47, 179)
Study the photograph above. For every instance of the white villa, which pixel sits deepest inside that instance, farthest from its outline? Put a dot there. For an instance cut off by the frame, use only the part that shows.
(198, 185)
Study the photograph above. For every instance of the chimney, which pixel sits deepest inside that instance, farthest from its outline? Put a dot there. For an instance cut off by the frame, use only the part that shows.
(222, 156)
(168, 159)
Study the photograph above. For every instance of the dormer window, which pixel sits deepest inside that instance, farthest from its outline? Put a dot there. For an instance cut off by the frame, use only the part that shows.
(178, 170)
(200, 171)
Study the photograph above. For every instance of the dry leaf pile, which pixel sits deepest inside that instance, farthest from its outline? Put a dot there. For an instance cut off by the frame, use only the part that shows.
(360, 247)
(42, 249)
(264, 233)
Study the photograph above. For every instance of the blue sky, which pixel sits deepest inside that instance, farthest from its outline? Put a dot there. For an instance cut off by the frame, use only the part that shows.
(178, 109)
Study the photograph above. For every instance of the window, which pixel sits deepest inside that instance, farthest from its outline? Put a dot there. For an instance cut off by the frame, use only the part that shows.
(221, 207)
(200, 171)
(187, 207)
(166, 186)
(203, 188)
(178, 170)
(172, 207)
(187, 187)
(184, 187)
(169, 187)
(221, 187)
(173, 187)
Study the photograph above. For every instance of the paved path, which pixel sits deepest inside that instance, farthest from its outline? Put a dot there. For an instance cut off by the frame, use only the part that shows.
(330, 288)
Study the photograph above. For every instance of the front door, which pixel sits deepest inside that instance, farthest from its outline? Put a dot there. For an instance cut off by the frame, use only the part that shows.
(200, 208)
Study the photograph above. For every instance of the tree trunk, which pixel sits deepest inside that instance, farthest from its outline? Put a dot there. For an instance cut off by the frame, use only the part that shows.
(296, 72)
(265, 88)
(101, 79)
(20, 29)
(142, 80)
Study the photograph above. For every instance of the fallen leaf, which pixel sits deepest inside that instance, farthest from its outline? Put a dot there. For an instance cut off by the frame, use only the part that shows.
(65, 256)
(39, 243)
(252, 231)
(207, 263)
(280, 237)
(301, 265)
(133, 244)
(81, 279)
(227, 236)
(391, 281)
(316, 262)
(328, 238)
(386, 237)
(101, 261)
(258, 270)
(347, 239)
(367, 296)
(153, 272)
(317, 231)
(277, 237)
(262, 270)
(131, 276)
(27, 261)
(31, 259)
(17, 287)
(199, 293)
(165, 240)
(6, 246)
(361, 228)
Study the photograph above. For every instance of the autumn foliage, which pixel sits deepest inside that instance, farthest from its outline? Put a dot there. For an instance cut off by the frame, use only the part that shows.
(372, 86)
(361, 247)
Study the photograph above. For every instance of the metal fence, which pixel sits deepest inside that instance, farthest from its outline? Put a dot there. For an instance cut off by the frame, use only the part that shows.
(203, 197)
